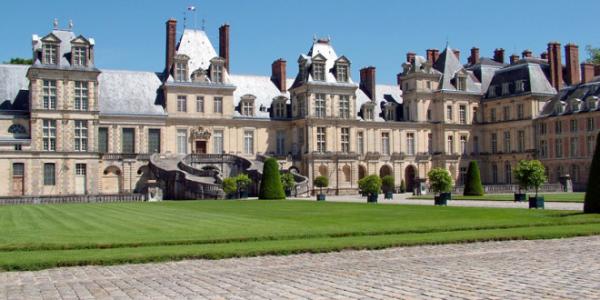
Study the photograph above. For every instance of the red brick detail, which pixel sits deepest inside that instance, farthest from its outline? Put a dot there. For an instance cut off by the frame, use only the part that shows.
(474, 58)
(278, 74)
(572, 64)
(170, 44)
(555, 62)
(224, 44)
(499, 55)
(587, 72)
(368, 80)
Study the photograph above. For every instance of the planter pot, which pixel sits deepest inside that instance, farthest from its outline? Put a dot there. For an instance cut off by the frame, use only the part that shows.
(243, 194)
(520, 197)
(536, 202)
(288, 193)
(446, 196)
(439, 200)
(372, 198)
(320, 197)
(389, 195)
(364, 194)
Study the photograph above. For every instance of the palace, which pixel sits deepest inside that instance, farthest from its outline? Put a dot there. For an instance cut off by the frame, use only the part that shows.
(69, 128)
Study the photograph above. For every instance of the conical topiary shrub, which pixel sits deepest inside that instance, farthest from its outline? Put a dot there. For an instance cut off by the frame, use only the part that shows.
(270, 185)
(592, 194)
(473, 186)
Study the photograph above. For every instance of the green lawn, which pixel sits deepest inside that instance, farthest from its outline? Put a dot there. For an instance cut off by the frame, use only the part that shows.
(42, 236)
(548, 197)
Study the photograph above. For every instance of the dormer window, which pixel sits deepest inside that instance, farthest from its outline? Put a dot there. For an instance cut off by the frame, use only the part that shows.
(217, 71)
(342, 72)
(50, 54)
(505, 88)
(492, 91)
(180, 71)
(592, 103)
(575, 105)
(368, 112)
(279, 108)
(318, 71)
(520, 86)
(461, 83)
(560, 107)
(247, 106)
(79, 56)
(390, 113)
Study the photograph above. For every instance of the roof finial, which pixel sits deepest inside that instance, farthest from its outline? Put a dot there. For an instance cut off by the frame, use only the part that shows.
(70, 24)
(55, 23)
(314, 38)
(447, 42)
(203, 23)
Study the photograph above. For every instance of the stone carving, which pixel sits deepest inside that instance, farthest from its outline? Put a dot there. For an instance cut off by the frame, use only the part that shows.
(201, 134)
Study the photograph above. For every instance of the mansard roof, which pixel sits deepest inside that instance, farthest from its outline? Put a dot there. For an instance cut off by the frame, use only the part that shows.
(197, 46)
(582, 92)
(321, 49)
(129, 93)
(484, 71)
(534, 73)
(449, 65)
(65, 39)
(260, 87)
(14, 88)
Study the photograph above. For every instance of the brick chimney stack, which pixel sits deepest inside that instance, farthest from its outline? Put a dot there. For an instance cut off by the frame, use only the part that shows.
(278, 74)
(474, 58)
(436, 55)
(587, 72)
(430, 56)
(499, 55)
(514, 59)
(544, 55)
(457, 54)
(410, 57)
(367, 81)
(224, 44)
(170, 44)
(555, 62)
(527, 53)
(572, 64)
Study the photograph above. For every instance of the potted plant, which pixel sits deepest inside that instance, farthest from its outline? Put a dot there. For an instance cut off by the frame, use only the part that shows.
(402, 186)
(371, 185)
(440, 182)
(288, 182)
(321, 182)
(531, 174)
(229, 187)
(242, 182)
(387, 185)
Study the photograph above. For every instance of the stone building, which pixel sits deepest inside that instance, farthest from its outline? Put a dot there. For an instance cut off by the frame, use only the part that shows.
(69, 128)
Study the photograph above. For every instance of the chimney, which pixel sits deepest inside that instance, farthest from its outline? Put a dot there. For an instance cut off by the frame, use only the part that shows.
(544, 55)
(596, 70)
(171, 35)
(499, 55)
(572, 64)
(436, 55)
(527, 53)
(430, 56)
(367, 81)
(410, 57)
(278, 74)
(224, 44)
(474, 59)
(555, 62)
(514, 59)
(399, 79)
(457, 54)
(587, 72)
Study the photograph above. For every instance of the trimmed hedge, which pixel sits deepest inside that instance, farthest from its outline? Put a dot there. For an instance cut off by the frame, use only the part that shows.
(591, 204)
(473, 186)
(270, 185)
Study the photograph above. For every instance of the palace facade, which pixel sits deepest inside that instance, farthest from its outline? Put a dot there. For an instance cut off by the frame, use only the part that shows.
(69, 128)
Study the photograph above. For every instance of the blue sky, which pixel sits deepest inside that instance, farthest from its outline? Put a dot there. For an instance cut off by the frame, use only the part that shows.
(130, 33)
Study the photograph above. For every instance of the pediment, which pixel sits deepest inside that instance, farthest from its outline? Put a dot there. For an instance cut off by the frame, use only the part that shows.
(51, 38)
(80, 40)
(319, 57)
(181, 57)
(342, 60)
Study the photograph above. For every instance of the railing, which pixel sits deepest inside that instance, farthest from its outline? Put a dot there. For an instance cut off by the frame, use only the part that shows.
(513, 188)
(123, 156)
(59, 199)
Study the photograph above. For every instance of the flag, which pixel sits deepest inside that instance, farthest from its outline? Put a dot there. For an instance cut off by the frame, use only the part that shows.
(191, 8)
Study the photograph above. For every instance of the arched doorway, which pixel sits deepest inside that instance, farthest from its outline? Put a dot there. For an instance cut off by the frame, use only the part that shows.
(111, 180)
(410, 178)
(385, 171)
(362, 172)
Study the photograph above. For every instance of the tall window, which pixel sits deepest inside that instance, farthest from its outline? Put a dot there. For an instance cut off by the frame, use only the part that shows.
(430, 143)
(507, 173)
(506, 113)
(410, 143)
(321, 139)
(182, 103)
(182, 141)
(181, 71)
(521, 141)
(449, 112)
(320, 109)
(494, 173)
(153, 140)
(360, 142)
(49, 174)
(49, 135)
(342, 73)
(390, 114)
(462, 110)
(463, 145)
(494, 142)
(103, 140)
(493, 115)
(590, 124)
(558, 127)
(49, 94)
(574, 125)
(218, 141)
(543, 149)
(462, 83)
(507, 148)
(590, 141)
(218, 106)
(344, 106)
(81, 95)
(301, 106)
(217, 75)
(248, 142)
(81, 136)
(369, 115)
(200, 104)
(50, 54)
(450, 145)
(385, 143)
(280, 111)
(543, 129)
(476, 144)
(558, 148)
(319, 71)
(247, 108)
(345, 139)
(128, 140)
(520, 111)
(280, 142)
(573, 147)
(79, 56)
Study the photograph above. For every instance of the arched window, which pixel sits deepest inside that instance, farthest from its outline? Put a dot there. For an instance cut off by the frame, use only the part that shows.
(17, 129)
(347, 173)
(323, 171)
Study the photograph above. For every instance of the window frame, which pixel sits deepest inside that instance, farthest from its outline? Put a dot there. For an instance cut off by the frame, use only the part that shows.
(81, 136)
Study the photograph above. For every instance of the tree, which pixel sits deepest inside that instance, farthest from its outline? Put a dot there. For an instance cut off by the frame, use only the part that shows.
(242, 181)
(387, 183)
(440, 180)
(403, 186)
(593, 54)
(288, 181)
(370, 184)
(321, 182)
(473, 186)
(270, 185)
(20, 61)
(229, 186)
(591, 204)
(530, 174)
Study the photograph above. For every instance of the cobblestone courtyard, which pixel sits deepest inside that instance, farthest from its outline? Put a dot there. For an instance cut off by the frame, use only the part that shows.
(545, 269)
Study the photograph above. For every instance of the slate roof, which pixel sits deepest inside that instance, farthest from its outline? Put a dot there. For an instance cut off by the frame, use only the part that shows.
(534, 74)
(484, 71)
(260, 87)
(581, 92)
(129, 93)
(197, 46)
(324, 48)
(449, 65)
(14, 88)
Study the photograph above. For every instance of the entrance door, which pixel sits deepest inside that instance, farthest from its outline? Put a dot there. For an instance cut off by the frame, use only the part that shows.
(201, 147)
(80, 179)
(410, 176)
(18, 178)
